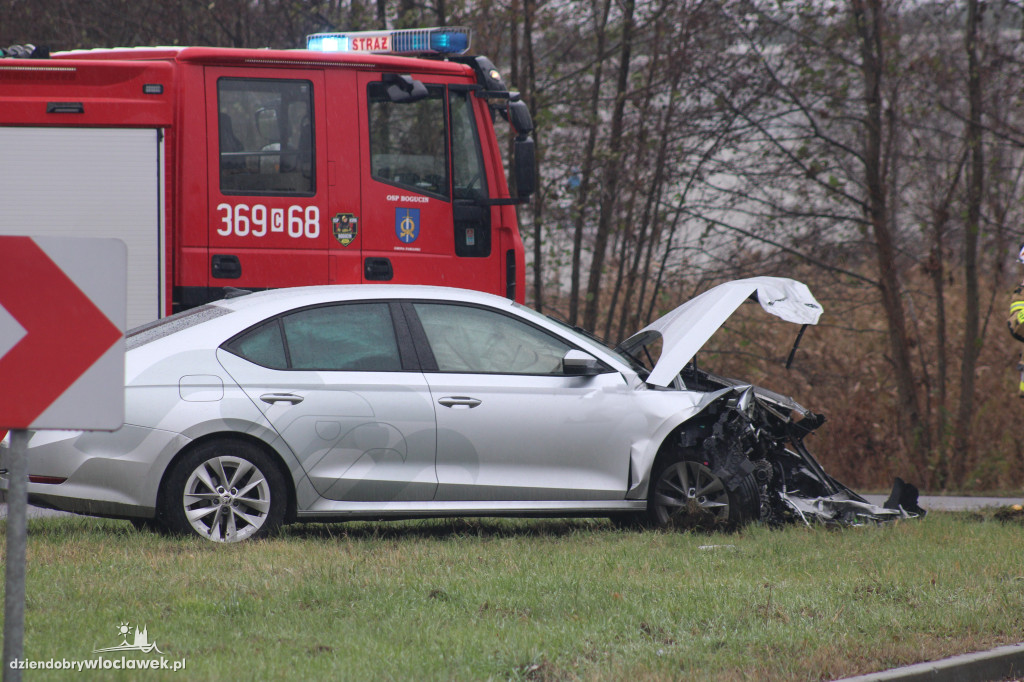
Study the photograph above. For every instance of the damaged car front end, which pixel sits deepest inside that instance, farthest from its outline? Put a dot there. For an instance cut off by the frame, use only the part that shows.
(743, 457)
(756, 440)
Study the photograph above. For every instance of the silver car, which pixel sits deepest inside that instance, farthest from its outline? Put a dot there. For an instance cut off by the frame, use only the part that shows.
(373, 402)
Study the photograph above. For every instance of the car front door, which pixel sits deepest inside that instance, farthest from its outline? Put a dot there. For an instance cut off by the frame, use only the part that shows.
(510, 425)
(332, 380)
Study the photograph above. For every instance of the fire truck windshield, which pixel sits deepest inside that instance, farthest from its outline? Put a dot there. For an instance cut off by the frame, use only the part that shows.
(468, 178)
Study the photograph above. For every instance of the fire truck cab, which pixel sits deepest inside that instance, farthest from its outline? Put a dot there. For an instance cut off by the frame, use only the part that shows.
(349, 161)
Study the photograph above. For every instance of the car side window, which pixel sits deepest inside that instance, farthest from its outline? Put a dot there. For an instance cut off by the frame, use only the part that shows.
(470, 339)
(346, 337)
(263, 346)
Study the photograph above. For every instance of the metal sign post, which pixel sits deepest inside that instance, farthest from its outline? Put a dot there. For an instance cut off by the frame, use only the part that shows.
(17, 540)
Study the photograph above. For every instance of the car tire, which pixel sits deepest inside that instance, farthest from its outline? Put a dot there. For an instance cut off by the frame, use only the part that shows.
(225, 491)
(686, 494)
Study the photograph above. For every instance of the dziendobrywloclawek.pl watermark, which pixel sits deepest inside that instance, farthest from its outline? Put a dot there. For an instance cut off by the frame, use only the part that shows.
(81, 665)
(140, 642)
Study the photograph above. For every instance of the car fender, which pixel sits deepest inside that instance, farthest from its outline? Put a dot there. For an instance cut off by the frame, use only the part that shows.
(246, 421)
(667, 410)
(204, 403)
(103, 473)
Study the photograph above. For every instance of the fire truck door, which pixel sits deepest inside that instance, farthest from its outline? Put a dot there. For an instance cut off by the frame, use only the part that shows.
(268, 214)
(424, 176)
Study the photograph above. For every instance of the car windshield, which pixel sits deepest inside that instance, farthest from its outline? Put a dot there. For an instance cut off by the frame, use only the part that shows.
(643, 349)
(580, 334)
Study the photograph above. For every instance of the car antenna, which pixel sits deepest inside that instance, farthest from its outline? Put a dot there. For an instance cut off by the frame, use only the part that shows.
(796, 344)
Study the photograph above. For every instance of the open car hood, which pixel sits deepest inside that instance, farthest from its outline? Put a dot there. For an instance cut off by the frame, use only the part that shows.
(687, 328)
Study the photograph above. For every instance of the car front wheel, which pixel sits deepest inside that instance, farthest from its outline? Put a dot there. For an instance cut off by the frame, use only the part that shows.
(685, 493)
(225, 491)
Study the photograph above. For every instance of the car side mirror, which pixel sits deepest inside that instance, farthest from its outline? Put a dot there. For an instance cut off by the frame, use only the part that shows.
(578, 363)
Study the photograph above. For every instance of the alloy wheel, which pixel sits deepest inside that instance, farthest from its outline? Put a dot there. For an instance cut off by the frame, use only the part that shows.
(688, 493)
(226, 499)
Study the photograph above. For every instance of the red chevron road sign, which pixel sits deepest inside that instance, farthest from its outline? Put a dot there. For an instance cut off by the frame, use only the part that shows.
(62, 312)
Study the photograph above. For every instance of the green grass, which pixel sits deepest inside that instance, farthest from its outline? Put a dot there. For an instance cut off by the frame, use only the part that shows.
(529, 600)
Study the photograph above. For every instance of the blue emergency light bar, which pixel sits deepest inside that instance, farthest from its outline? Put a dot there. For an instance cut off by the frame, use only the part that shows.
(448, 40)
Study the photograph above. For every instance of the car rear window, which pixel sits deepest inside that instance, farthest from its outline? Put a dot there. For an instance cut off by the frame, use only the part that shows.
(345, 337)
(147, 333)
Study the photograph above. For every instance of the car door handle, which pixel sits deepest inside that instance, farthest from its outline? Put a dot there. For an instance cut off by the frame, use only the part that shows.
(459, 401)
(281, 398)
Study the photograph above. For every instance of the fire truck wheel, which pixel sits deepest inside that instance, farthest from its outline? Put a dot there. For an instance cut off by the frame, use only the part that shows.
(225, 491)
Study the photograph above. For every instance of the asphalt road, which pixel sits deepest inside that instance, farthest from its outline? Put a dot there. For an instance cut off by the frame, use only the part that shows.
(34, 512)
(929, 502)
(950, 503)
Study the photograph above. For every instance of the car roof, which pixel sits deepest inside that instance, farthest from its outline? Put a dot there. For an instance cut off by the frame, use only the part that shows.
(208, 326)
(224, 318)
(299, 296)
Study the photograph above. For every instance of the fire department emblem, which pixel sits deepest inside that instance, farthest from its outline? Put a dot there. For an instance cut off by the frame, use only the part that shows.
(407, 224)
(346, 228)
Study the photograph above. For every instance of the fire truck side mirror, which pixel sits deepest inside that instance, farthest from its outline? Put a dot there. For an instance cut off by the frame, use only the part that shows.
(402, 89)
(519, 115)
(525, 168)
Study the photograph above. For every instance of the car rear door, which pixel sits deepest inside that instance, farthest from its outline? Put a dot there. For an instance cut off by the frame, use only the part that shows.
(334, 382)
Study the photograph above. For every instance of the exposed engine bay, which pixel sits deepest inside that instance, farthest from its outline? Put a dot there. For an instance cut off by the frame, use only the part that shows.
(753, 437)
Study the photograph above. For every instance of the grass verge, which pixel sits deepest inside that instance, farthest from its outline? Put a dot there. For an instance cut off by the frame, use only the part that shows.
(528, 600)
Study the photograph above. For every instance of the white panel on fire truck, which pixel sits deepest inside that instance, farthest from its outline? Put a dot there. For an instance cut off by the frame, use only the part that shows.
(90, 182)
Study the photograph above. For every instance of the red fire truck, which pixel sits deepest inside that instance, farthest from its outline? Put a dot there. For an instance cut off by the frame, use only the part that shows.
(367, 157)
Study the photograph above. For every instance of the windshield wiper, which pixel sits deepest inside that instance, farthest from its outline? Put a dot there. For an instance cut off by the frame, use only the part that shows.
(639, 366)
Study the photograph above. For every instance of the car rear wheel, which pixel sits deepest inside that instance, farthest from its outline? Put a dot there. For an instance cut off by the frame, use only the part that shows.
(225, 491)
(685, 493)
